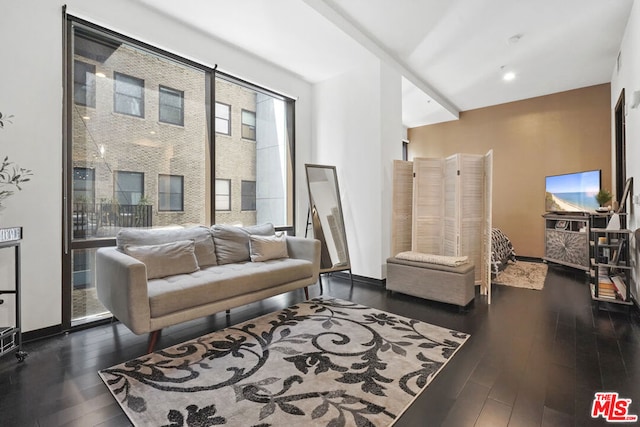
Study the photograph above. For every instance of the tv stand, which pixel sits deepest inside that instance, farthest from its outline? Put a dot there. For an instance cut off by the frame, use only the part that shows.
(566, 237)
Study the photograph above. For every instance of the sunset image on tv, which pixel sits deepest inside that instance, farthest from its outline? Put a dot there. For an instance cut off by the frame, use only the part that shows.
(574, 192)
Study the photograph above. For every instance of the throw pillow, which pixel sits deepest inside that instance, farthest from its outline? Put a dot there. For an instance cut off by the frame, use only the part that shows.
(232, 243)
(205, 252)
(167, 259)
(264, 248)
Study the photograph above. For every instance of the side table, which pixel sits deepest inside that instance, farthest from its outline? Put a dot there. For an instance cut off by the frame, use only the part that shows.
(10, 336)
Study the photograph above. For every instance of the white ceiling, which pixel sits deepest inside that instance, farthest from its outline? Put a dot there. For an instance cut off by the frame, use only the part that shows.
(451, 53)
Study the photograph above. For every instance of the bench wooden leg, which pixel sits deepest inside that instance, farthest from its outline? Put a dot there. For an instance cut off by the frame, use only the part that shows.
(306, 292)
(153, 339)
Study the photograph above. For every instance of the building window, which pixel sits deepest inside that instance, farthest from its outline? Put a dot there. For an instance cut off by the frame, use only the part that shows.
(128, 95)
(223, 194)
(128, 187)
(248, 195)
(223, 118)
(84, 84)
(249, 125)
(84, 188)
(170, 193)
(171, 106)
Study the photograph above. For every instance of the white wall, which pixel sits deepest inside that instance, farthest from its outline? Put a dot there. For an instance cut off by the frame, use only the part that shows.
(628, 77)
(31, 89)
(357, 128)
(392, 133)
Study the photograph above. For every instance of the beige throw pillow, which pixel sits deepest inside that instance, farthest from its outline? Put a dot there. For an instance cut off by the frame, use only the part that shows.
(264, 248)
(167, 259)
(205, 252)
(232, 243)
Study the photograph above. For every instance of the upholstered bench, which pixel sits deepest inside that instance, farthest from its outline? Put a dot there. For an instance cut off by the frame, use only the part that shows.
(449, 282)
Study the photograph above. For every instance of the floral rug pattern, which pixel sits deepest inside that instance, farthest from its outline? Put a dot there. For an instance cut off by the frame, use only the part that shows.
(323, 362)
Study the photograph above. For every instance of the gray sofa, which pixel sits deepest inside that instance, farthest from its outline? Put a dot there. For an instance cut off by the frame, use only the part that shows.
(155, 278)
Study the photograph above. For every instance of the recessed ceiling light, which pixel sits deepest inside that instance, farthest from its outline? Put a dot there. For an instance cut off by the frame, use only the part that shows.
(103, 75)
(86, 118)
(508, 76)
(514, 39)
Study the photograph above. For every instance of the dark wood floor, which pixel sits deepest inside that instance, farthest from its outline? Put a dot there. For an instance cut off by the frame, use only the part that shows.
(535, 358)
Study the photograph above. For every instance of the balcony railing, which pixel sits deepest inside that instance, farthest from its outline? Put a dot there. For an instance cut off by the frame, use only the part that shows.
(104, 219)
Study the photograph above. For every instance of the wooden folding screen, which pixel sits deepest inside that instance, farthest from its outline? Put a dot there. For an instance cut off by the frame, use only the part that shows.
(401, 213)
(451, 209)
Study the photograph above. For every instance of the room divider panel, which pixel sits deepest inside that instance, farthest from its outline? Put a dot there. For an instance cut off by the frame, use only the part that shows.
(451, 209)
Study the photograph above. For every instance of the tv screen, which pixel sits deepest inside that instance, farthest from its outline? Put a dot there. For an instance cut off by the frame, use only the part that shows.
(572, 192)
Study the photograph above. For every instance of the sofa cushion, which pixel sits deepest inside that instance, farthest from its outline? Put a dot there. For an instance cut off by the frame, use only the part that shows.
(264, 248)
(232, 243)
(204, 250)
(212, 284)
(166, 259)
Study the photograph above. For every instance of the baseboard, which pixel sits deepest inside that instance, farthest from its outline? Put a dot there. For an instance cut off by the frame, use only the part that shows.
(39, 334)
(360, 279)
(528, 258)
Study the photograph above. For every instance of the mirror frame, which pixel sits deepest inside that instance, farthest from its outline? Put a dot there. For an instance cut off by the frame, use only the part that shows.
(318, 232)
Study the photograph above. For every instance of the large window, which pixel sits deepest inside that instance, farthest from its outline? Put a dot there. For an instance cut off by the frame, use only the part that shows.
(128, 95)
(131, 169)
(258, 185)
(84, 83)
(170, 192)
(124, 172)
(171, 106)
(223, 118)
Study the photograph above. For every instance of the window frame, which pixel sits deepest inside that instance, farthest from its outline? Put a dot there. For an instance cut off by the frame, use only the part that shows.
(117, 74)
(180, 94)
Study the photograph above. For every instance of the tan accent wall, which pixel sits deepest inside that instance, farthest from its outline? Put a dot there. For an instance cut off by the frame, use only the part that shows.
(548, 135)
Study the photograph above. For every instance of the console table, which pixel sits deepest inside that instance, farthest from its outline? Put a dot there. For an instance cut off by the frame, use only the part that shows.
(567, 239)
(10, 336)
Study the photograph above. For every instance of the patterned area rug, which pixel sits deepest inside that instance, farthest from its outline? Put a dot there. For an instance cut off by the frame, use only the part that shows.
(324, 362)
(523, 274)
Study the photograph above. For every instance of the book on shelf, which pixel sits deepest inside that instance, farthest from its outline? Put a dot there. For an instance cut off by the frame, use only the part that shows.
(611, 287)
(621, 288)
(602, 292)
(606, 288)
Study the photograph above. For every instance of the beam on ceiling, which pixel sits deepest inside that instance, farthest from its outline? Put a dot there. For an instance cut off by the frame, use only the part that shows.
(330, 11)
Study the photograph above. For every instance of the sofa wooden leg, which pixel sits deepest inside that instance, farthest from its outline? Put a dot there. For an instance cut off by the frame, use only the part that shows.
(153, 339)
(306, 292)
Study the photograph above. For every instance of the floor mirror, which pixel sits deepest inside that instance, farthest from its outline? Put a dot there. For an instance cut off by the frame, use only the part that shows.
(326, 219)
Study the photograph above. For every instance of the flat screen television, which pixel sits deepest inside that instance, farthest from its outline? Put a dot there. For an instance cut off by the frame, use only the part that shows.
(572, 192)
